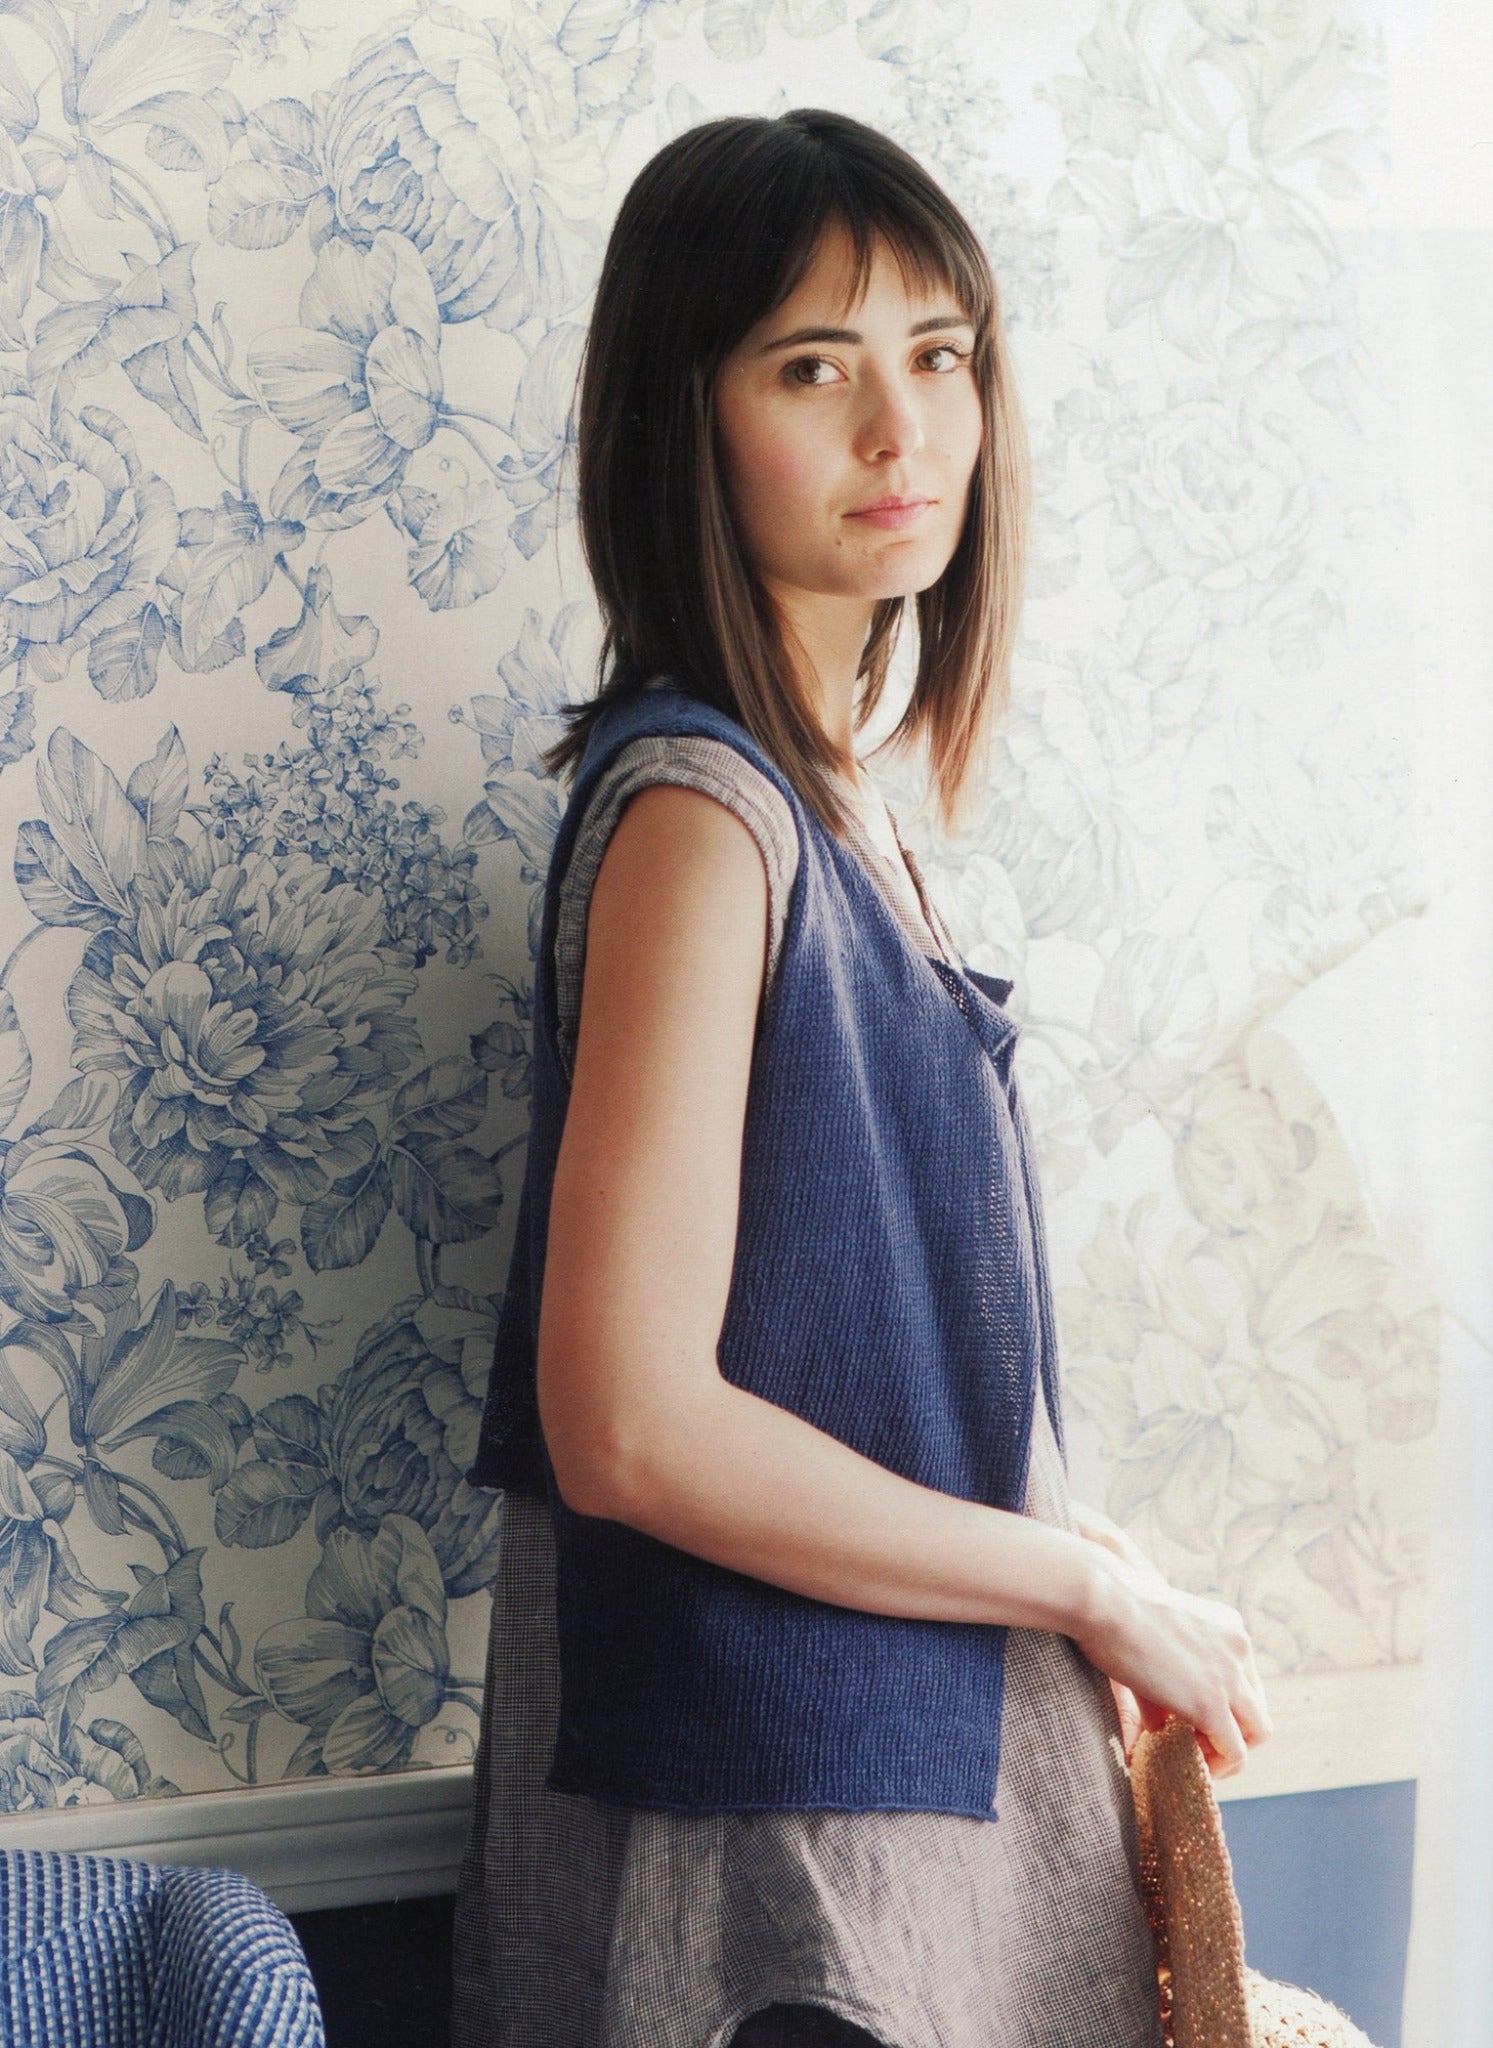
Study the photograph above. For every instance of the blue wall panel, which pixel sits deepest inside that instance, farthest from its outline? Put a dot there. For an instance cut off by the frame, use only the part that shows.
(1324, 1885)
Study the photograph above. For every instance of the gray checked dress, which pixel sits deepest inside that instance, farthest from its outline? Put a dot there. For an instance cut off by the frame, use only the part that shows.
(586, 1923)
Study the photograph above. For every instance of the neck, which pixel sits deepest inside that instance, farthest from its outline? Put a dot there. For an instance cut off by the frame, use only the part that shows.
(825, 637)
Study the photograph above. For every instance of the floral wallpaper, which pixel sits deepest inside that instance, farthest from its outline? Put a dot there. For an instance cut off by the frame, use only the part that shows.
(291, 302)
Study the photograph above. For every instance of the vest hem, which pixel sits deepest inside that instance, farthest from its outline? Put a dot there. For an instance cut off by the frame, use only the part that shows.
(955, 1804)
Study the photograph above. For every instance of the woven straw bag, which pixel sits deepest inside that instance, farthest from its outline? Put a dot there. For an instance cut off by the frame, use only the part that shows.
(1210, 1998)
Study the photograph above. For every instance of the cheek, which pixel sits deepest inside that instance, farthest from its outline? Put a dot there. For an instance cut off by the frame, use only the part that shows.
(780, 475)
(771, 464)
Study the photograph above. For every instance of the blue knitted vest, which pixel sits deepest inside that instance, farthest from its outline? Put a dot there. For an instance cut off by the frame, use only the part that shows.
(889, 1284)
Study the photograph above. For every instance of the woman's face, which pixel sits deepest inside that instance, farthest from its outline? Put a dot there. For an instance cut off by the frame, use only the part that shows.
(825, 411)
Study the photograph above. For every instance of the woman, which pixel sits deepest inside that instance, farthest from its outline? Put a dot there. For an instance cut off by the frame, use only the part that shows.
(802, 1717)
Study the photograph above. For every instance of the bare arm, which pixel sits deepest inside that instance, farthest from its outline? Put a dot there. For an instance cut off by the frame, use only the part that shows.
(641, 1425)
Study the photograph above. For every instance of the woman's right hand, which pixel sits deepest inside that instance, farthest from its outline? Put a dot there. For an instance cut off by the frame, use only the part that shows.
(1178, 1652)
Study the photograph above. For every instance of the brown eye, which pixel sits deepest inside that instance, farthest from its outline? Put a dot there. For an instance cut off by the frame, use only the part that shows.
(799, 362)
(947, 348)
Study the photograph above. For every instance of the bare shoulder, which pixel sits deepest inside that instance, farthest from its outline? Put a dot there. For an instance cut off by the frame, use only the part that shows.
(676, 932)
(680, 862)
(669, 831)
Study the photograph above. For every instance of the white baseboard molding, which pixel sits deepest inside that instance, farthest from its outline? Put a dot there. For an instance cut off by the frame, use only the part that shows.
(348, 1841)
(312, 1843)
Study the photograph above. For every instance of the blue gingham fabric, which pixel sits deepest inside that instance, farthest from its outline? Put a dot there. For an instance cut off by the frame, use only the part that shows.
(103, 1952)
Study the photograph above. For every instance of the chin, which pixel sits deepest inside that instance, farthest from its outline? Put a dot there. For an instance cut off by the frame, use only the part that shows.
(897, 572)
(905, 581)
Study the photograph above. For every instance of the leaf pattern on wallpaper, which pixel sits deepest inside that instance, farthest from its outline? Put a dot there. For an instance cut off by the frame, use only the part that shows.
(292, 300)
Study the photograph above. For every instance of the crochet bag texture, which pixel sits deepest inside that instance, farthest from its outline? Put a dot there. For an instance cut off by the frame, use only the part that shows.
(1210, 1998)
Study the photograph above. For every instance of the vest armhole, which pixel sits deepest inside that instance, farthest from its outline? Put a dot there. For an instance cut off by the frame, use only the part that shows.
(692, 761)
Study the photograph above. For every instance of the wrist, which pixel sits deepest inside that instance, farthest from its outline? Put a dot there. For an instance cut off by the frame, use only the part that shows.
(1081, 1592)
(1095, 1595)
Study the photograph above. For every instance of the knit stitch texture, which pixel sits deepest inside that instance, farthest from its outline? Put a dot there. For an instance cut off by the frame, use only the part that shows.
(889, 1285)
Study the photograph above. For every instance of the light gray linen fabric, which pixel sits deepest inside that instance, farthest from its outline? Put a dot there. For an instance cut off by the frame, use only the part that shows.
(586, 1923)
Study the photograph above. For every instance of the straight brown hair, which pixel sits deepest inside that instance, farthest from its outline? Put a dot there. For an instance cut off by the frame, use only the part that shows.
(714, 233)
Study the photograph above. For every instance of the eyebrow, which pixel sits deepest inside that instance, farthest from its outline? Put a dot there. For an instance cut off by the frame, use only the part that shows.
(936, 324)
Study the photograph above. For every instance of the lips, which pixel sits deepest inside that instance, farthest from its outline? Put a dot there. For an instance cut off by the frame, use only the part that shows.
(892, 511)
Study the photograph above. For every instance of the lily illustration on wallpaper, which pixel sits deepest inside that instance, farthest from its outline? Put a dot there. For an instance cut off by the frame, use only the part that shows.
(290, 314)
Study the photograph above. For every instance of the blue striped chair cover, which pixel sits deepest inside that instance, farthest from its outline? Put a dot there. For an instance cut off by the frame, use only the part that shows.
(100, 1952)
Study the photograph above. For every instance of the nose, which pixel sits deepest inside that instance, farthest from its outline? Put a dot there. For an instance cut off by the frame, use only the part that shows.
(891, 422)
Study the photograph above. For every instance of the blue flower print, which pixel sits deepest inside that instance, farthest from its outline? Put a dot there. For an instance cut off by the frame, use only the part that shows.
(505, 128)
(250, 1021)
(381, 150)
(46, 1762)
(17, 724)
(392, 1435)
(458, 552)
(142, 325)
(141, 68)
(33, 245)
(516, 729)
(522, 802)
(70, 1213)
(358, 383)
(504, 1045)
(538, 479)
(332, 799)
(33, 1771)
(256, 27)
(84, 532)
(149, 1639)
(368, 1667)
(37, 1570)
(402, 1431)
(321, 648)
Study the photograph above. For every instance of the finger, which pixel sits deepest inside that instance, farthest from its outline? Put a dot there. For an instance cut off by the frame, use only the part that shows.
(1253, 1715)
(1228, 1747)
(1264, 1721)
